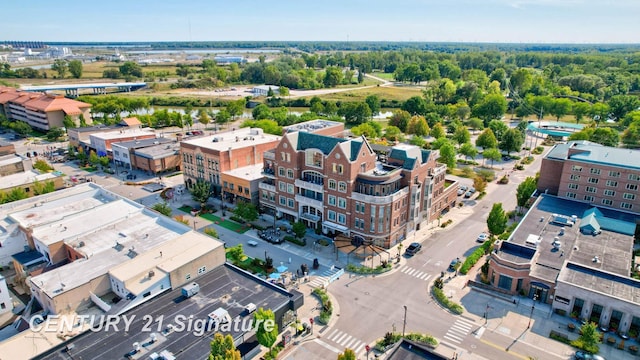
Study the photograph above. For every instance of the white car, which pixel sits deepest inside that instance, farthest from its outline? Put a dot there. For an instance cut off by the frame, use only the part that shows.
(482, 237)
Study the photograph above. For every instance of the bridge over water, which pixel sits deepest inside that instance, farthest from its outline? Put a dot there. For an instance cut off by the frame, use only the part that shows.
(71, 90)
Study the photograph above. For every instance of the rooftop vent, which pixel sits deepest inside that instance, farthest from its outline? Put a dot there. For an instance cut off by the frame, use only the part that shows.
(595, 259)
(151, 273)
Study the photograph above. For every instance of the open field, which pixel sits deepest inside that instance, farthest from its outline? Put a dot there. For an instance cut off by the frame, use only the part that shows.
(383, 92)
(383, 75)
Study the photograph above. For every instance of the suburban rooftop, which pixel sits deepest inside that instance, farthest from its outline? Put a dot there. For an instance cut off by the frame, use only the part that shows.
(591, 152)
(234, 139)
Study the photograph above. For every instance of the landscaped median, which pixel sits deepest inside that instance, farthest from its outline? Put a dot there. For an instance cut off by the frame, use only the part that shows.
(365, 270)
(390, 339)
(443, 300)
(327, 307)
(227, 224)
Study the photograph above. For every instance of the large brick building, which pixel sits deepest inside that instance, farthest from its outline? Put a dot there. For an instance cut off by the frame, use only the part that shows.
(42, 111)
(339, 185)
(592, 173)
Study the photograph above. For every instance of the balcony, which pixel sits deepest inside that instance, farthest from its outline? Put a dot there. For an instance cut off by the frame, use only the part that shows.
(303, 200)
(269, 172)
(311, 185)
(388, 199)
(267, 185)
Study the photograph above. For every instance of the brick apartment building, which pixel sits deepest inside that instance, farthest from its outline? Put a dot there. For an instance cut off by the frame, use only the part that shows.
(41, 111)
(339, 185)
(207, 158)
(589, 172)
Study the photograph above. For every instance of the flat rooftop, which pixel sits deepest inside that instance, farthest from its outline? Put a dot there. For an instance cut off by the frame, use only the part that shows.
(10, 159)
(311, 125)
(24, 178)
(613, 250)
(250, 173)
(619, 287)
(236, 139)
(159, 151)
(136, 144)
(224, 287)
(123, 133)
(594, 153)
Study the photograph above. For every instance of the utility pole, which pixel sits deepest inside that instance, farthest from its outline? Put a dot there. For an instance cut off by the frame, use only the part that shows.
(404, 322)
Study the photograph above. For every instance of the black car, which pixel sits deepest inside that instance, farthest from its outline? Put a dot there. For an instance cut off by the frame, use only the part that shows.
(413, 249)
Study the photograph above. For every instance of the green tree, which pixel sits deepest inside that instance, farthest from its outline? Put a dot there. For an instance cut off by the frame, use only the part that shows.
(223, 348)
(448, 155)
(360, 76)
(492, 154)
(130, 68)
(374, 103)
(300, 229)
(525, 190)
(348, 354)
(400, 119)
(21, 128)
(521, 80)
(417, 141)
(416, 105)
(330, 108)
(631, 135)
(437, 131)
(475, 124)
(68, 122)
(43, 188)
(600, 112)
(468, 150)
(560, 107)
(497, 220)
(200, 192)
(512, 140)
(480, 183)
(163, 208)
(269, 126)
(487, 140)
(355, 113)
(54, 134)
(418, 126)
(493, 106)
(580, 109)
(93, 158)
(606, 136)
(235, 108)
(264, 321)
(499, 128)
(75, 68)
(61, 67)
(42, 166)
(17, 193)
(620, 105)
(461, 135)
(246, 211)
(393, 133)
(104, 161)
(332, 77)
(365, 129)
(222, 117)
(203, 117)
(589, 338)
(283, 91)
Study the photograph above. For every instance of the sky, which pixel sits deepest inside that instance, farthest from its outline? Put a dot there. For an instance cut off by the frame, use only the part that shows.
(503, 21)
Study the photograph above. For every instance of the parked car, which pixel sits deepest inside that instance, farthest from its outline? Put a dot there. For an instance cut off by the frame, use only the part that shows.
(581, 355)
(468, 194)
(472, 190)
(482, 237)
(453, 264)
(461, 192)
(464, 188)
(413, 249)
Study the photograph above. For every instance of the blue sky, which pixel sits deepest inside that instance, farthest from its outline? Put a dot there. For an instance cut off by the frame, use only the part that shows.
(517, 21)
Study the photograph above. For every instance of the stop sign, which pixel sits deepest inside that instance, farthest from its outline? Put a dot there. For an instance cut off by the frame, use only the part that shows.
(311, 321)
(367, 347)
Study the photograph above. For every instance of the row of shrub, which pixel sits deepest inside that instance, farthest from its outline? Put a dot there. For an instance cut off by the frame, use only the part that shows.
(327, 307)
(446, 223)
(360, 269)
(295, 240)
(538, 150)
(272, 354)
(440, 296)
(478, 253)
(392, 338)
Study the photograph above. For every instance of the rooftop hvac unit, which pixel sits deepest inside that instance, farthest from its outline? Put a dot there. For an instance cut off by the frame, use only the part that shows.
(151, 273)
(153, 337)
(136, 346)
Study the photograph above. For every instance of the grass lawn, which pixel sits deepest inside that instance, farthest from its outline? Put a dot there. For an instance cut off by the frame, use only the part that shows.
(383, 75)
(186, 209)
(90, 168)
(383, 92)
(227, 224)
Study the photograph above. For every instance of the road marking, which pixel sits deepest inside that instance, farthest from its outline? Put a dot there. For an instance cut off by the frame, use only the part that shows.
(480, 332)
(351, 343)
(359, 348)
(426, 262)
(503, 349)
(450, 242)
(451, 338)
(343, 342)
(340, 338)
(326, 346)
(331, 334)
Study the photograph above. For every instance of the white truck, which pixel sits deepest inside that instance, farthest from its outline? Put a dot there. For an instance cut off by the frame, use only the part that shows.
(190, 290)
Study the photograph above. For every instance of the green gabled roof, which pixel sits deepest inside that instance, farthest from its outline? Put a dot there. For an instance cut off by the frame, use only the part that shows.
(323, 143)
(425, 155)
(398, 154)
(409, 164)
(355, 149)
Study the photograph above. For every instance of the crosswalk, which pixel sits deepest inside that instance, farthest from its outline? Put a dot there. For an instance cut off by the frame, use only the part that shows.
(459, 330)
(415, 273)
(344, 340)
(323, 278)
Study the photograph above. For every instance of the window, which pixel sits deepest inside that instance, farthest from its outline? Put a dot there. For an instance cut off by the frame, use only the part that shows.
(265, 195)
(290, 188)
(357, 223)
(283, 201)
(612, 183)
(342, 186)
(360, 207)
(634, 177)
(576, 168)
(608, 192)
(595, 171)
(202, 270)
(504, 282)
(614, 173)
(337, 168)
(633, 187)
(363, 167)
(331, 215)
(332, 200)
(607, 202)
(588, 198)
(574, 177)
(282, 186)
(290, 173)
(591, 189)
(246, 191)
(573, 186)
(571, 195)
(342, 219)
(625, 205)
(628, 196)
(313, 158)
(291, 203)
(332, 184)
(342, 203)
(593, 180)
(281, 171)
(188, 277)
(240, 188)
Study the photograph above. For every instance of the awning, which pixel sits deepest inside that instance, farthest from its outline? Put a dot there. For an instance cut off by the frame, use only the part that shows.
(335, 226)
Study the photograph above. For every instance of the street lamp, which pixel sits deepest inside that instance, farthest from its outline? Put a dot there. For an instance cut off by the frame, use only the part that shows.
(195, 224)
(533, 306)
(404, 322)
